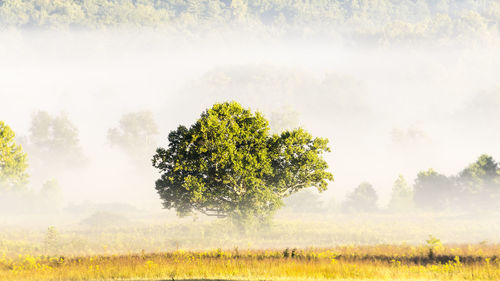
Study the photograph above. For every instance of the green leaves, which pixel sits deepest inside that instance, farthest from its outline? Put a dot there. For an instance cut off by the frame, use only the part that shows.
(13, 161)
(227, 164)
(297, 161)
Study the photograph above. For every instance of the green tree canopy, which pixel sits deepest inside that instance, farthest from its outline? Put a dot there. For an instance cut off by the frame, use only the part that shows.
(13, 161)
(228, 164)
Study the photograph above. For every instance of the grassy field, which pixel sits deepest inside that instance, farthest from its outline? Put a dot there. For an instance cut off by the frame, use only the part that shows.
(383, 262)
(319, 231)
(310, 248)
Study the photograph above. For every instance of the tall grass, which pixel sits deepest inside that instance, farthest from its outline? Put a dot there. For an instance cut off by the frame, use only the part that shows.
(384, 262)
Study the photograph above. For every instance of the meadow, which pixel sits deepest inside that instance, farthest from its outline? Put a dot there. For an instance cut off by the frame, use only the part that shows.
(312, 247)
(164, 233)
(382, 262)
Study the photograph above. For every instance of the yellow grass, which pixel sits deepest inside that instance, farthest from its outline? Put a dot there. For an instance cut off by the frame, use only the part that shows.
(383, 262)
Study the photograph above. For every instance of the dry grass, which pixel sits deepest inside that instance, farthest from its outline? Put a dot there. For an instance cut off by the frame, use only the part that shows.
(384, 262)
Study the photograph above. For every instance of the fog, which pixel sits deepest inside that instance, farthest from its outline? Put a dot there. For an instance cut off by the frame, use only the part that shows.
(387, 109)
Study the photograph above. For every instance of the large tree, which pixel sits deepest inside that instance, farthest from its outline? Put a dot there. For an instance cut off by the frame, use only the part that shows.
(13, 161)
(228, 164)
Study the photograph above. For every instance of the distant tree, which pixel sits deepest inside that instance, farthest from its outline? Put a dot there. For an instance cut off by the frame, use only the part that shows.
(482, 174)
(374, 20)
(480, 183)
(54, 142)
(136, 135)
(228, 165)
(363, 199)
(402, 195)
(13, 163)
(433, 190)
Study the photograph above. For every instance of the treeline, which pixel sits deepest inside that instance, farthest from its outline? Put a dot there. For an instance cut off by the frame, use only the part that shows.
(32, 165)
(52, 148)
(474, 189)
(367, 19)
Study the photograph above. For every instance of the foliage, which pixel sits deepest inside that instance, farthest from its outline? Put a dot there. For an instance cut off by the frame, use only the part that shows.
(136, 134)
(362, 199)
(13, 162)
(434, 244)
(380, 20)
(482, 174)
(227, 164)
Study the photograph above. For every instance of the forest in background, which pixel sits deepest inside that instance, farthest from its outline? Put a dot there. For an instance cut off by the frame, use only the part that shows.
(364, 20)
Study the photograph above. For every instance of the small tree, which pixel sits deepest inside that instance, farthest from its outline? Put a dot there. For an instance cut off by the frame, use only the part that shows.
(402, 195)
(363, 199)
(227, 164)
(13, 163)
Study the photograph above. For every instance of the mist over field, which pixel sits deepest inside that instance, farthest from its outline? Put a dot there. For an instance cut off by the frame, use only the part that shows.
(393, 100)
